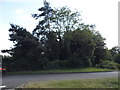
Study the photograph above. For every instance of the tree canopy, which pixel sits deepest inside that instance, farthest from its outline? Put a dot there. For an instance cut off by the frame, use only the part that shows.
(59, 40)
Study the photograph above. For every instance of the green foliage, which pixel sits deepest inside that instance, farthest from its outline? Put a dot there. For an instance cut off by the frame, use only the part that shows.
(116, 58)
(63, 19)
(26, 48)
(7, 62)
(115, 51)
(59, 40)
(108, 64)
(101, 53)
(43, 26)
(56, 64)
(52, 46)
(80, 44)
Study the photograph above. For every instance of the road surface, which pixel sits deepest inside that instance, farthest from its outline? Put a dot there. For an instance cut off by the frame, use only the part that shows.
(12, 81)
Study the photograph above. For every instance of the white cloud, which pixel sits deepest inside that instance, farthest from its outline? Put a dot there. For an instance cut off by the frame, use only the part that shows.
(26, 21)
(24, 17)
(19, 11)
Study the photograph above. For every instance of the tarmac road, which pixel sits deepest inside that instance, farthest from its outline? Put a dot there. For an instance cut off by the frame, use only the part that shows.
(13, 81)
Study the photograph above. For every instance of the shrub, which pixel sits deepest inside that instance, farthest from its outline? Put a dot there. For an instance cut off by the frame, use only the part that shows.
(108, 64)
(7, 63)
(55, 64)
(73, 62)
(116, 58)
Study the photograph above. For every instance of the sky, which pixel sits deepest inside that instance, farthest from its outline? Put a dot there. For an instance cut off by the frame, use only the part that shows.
(102, 13)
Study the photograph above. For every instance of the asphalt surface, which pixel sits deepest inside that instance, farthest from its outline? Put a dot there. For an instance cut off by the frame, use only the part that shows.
(13, 81)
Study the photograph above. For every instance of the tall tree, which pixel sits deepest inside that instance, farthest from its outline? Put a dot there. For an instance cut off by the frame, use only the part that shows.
(26, 48)
(64, 19)
(43, 30)
(43, 26)
(100, 52)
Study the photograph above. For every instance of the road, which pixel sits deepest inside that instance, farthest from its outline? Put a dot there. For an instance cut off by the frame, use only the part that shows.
(12, 81)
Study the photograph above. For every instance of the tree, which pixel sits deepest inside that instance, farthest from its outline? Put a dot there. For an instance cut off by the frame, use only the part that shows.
(43, 31)
(52, 46)
(79, 45)
(100, 52)
(58, 40)
(64, 19)
(26, 48)
(115, 51)
(43, 26)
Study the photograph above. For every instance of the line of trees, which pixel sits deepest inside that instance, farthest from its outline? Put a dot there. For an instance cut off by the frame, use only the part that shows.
(59, 40)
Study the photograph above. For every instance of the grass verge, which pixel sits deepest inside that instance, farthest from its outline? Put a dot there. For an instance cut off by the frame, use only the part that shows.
(82, 83)
(63, 71)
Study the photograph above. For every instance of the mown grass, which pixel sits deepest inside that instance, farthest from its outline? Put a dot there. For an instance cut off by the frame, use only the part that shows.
(63, 71)
(82, 83)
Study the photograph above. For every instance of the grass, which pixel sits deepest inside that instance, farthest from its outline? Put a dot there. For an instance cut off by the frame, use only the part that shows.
(82, 83)
(63, 71)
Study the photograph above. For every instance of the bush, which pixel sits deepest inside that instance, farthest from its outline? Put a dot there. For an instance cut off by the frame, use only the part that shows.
(7, 63)
(116, 58)
(55, 64)
(39, 64)
(73, 62)
(108, 64)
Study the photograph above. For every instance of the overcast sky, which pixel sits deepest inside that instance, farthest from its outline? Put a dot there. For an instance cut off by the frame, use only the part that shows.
(102, 13)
